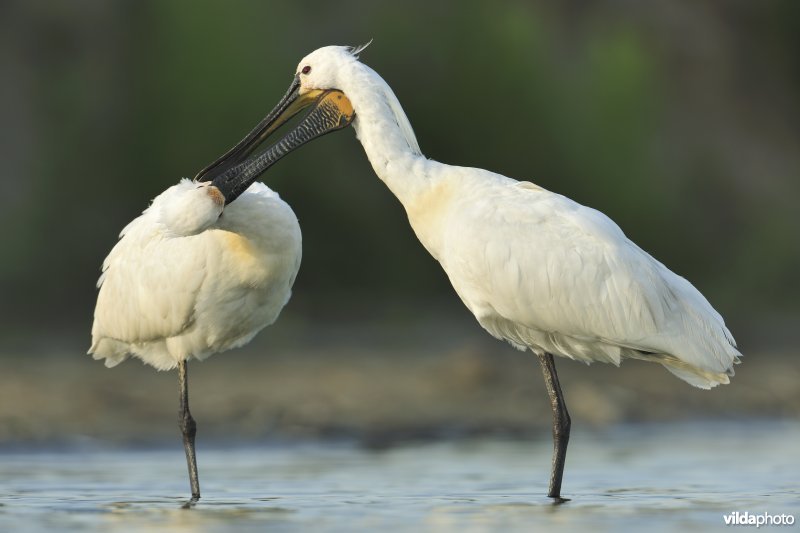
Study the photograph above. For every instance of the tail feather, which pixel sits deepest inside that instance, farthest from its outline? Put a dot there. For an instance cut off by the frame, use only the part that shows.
(114, 352)
(699, 378)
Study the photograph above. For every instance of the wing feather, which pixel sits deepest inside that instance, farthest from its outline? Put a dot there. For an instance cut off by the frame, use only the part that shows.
(149, 284)
(545, 272)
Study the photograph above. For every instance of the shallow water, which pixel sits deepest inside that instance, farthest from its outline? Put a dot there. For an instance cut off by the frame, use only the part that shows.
(645, 477)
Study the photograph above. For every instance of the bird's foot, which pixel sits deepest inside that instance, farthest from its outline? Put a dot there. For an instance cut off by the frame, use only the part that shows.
(558, 500)
(191, 503)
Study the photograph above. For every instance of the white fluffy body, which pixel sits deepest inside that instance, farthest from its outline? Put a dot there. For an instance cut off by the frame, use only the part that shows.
(535, 268)
(189, 279)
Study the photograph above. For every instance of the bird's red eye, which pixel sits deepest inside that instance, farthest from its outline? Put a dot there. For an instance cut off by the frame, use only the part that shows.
(306, 69)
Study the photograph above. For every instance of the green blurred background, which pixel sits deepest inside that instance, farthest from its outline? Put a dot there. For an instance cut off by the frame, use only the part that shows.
(678, 119)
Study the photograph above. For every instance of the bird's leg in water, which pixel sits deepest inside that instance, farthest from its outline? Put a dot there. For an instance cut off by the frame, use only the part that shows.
(561, 425)
(189, 430)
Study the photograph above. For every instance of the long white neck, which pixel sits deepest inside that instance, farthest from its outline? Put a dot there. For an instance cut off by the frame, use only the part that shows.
(386, 134)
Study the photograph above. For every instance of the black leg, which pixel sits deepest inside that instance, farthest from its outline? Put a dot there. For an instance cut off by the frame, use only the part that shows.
(561, 425)
(189, 430)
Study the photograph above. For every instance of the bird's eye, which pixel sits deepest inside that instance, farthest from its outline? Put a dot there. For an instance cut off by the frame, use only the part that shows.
(306, 69)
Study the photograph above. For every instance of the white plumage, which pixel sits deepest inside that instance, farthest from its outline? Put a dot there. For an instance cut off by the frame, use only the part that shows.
(189, 279)
(203, 269)
(546, 273)
(535, 268)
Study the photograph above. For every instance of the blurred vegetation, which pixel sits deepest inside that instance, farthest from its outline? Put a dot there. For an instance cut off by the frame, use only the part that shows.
(679, 119)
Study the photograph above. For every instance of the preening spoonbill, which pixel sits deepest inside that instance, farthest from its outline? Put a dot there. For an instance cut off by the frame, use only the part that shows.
(208, 265)
(537, 270)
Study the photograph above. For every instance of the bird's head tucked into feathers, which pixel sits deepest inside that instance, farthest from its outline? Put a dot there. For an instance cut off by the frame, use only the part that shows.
(189, 208)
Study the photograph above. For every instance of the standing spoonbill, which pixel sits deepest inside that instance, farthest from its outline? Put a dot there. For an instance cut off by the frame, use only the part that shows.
(537, 270)
(198, 273)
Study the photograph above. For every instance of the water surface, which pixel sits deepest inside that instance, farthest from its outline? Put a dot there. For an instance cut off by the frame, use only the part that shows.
(661, 477)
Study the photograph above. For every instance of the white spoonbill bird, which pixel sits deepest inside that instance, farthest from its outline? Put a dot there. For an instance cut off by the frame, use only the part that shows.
(537, 270)
(208, 265)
